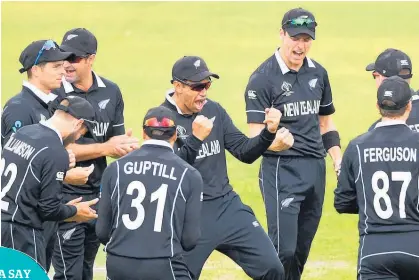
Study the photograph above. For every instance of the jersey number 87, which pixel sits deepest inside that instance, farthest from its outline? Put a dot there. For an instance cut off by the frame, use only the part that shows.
(382, 193)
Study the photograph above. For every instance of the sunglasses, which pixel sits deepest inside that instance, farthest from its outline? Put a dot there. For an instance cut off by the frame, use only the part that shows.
(165, 122)
(77, 59)
(46, 47)
(197, 87)
(301, 21)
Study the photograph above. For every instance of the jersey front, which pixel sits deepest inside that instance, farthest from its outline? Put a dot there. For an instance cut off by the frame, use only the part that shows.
(106, 99)
(23, 109)
(150, 204)
(301, 97)
(379, 179)
(33, 166)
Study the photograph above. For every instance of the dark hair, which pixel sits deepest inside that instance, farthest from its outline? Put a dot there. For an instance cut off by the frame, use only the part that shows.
(392, 113)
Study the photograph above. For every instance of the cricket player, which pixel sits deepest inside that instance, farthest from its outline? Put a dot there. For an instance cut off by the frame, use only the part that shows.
(150, 207)
(33, 165)
(75, 251)
(43, 62)
(228, 225)
(378, 181)
(292, 176)
(393, 62)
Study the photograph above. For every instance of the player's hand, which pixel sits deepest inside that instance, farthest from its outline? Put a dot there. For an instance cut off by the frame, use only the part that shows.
(78, 176)
(84, 212)
(336, 165)
(74, 201)
(121, 145)
(283, 140)
(201, 127)
(272, 119)
(72, 158)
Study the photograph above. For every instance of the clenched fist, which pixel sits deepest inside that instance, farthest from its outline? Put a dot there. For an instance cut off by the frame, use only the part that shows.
(201, 127)
(272, 119)
(283, 140)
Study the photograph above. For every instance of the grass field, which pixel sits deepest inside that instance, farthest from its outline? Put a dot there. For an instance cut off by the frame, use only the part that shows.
(139, 42)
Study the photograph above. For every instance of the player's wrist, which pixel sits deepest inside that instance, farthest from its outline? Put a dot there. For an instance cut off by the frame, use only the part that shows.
(267, 135)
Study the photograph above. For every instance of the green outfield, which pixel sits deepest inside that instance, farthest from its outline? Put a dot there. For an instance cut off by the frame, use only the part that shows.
(139, 42)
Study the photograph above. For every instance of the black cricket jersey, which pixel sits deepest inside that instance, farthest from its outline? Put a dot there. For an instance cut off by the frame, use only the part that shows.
(150, 205)
(30, 106)
(379, 179)
(34, 163)
(413, 120)
(301, 97)
(106, 98)
(209, 156)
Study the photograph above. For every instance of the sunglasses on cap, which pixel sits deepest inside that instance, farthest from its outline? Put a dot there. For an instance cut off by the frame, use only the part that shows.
(49, 44)
(301, 21)
(165, 122)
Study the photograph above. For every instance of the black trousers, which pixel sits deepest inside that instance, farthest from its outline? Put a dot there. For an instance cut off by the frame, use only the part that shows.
(76, 247)
(24, 239)
(50, 237)
(293, 191)
(124, 268)
(230, 227)
(390, 256)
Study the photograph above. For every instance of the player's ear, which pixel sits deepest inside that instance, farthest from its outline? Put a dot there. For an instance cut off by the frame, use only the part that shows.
(409, 107)
(281, 34)
(177, 86)
(91, 59)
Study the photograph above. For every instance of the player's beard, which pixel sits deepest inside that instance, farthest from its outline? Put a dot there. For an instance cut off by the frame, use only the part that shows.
(71, 138)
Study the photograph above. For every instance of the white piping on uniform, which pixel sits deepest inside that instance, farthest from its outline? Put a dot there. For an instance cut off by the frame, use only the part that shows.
(23, 181)
(173, 210)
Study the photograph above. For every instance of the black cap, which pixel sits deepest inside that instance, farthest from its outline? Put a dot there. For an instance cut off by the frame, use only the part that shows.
(41, 51)
(390, 62)
(79, 41)
(81, 109)
(393, 93)
(191, 68)
(299, 21)
(159, 123)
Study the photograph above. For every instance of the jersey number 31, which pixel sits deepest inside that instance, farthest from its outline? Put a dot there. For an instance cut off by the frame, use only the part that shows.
(159, 195)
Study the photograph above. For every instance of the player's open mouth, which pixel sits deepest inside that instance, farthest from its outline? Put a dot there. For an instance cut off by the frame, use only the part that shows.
(298, 53)
(200, 104)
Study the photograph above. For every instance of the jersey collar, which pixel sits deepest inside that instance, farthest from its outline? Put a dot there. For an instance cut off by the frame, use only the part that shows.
(284, 67)
(389, 122)
(46, 98)
(68, 87)
(158, 143)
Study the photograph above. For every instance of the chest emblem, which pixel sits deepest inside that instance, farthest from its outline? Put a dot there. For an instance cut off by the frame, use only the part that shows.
(102, 104)
(286, 88)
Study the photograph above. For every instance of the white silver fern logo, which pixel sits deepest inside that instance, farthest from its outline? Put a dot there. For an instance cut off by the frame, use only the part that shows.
(71, 36)
(197, 63)
(67, 235)
(286, 202)
(102, 104)
(312, 83)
